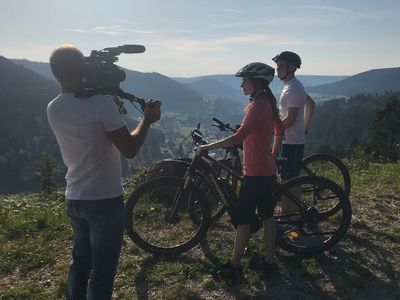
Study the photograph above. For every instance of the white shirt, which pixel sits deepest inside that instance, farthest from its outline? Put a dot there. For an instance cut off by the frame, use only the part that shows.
(93, 162)
(293, 95)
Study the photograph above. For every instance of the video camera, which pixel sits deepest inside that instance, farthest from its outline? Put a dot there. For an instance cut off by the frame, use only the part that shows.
(102, 76)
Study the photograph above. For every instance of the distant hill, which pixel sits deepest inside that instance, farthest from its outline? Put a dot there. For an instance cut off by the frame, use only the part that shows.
(313, 80)
(210, 87)
(174, 96)
(375, 81)
(276, 85)
(182, 97)
(38, 67)
(227, 79)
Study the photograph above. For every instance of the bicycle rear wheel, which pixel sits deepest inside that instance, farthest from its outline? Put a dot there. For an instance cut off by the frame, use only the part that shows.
(169, 167)
(328, 166)
(312, 228)
(150, 224)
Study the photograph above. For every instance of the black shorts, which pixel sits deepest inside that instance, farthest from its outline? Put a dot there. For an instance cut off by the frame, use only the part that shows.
(294, 154)
(256, 192)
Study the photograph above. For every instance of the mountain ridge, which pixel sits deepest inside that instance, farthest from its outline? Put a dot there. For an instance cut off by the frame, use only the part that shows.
(375, 81)
(191, 90)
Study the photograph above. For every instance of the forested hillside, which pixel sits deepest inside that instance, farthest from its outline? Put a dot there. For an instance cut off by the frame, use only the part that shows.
(340, 123)
(24, 131)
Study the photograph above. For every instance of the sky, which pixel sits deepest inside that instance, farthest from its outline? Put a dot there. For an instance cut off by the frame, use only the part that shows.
(185, 38)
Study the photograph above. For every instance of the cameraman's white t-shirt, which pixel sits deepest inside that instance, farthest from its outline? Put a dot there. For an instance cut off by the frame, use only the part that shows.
(293, 95)
(93, 162)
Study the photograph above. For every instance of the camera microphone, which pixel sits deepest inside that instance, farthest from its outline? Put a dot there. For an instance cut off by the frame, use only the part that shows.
(131, 49)
(125, 49)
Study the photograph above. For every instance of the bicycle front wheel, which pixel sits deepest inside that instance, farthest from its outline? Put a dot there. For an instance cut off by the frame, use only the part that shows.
(159, 219)
(312, 228)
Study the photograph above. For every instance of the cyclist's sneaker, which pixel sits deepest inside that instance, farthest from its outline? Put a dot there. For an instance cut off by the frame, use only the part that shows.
(230, 272)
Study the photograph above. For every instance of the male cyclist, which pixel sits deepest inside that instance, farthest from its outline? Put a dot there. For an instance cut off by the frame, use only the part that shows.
(296, 108)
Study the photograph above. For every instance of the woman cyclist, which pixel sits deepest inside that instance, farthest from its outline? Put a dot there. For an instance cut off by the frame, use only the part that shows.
(256, 190)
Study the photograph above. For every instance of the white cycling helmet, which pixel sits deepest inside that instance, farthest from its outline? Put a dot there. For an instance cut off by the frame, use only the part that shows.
(257, 70)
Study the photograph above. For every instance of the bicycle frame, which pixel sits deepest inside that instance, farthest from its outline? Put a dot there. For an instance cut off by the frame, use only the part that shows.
(201, 160)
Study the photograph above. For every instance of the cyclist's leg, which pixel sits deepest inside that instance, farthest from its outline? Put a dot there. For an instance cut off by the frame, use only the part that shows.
(294, 154)
(242, 238)
(245, 211)
(265, 207)
(269, 239)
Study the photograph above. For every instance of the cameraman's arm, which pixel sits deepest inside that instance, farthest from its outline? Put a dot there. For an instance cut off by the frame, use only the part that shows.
(130, 143)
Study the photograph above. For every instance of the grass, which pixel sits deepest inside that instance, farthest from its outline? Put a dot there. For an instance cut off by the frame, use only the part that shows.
(35, 245)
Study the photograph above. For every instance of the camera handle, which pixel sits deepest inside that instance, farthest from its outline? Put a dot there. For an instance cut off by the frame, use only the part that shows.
(120, 93)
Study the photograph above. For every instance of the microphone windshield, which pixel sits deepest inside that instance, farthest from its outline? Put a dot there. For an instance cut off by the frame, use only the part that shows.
(131, 49)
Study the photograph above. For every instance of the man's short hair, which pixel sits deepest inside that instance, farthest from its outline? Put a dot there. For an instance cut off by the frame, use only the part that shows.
(66, 62)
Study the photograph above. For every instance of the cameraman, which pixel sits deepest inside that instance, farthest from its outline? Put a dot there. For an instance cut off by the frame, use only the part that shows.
(91, 135)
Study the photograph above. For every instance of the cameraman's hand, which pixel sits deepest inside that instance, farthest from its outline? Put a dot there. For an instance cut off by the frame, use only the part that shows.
(152, 111)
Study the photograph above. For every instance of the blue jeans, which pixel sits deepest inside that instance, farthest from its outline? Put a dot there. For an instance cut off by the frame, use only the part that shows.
(98, 227)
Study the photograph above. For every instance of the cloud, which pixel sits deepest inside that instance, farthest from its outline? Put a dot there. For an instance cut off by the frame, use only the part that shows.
(338, 11)
(190, 46)
(328, 9)
(111, 30)
(78, 30)
(255, 23)
(96, 30)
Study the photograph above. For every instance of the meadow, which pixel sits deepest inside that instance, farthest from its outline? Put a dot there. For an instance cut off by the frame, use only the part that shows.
(35, 245)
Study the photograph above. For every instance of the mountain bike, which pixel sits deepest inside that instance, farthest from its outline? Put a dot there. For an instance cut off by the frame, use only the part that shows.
(316, 164)
(170, 215)
(177, 167)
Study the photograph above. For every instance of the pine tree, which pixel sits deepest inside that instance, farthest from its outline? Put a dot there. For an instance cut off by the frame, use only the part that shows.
(384, 138)
(47, 167)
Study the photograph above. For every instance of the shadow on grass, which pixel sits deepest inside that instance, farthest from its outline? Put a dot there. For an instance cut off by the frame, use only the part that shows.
(362, 266)
(152, 272)
(356, 267)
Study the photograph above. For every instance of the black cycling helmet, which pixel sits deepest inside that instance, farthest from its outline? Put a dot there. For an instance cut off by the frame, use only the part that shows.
(289, 57)
(257, 70)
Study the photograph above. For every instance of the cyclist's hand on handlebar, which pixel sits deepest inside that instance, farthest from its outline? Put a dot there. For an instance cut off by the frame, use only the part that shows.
(152, 111)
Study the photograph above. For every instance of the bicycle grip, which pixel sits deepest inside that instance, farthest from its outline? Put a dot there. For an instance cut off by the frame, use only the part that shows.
(218, 121)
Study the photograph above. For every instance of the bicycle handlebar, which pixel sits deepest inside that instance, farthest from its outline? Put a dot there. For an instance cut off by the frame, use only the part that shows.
(222, 126)
(197, 136)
